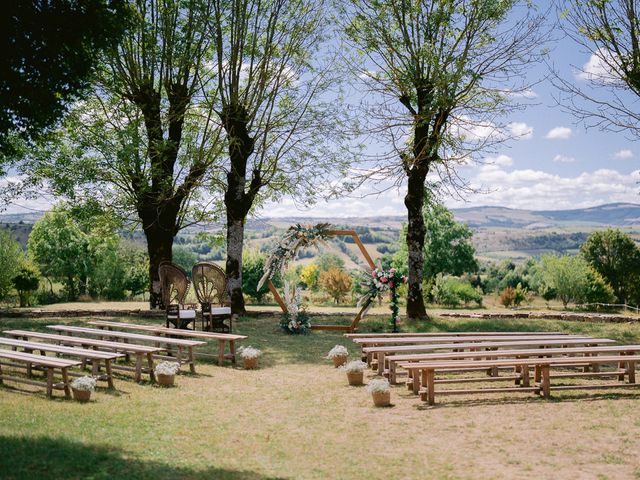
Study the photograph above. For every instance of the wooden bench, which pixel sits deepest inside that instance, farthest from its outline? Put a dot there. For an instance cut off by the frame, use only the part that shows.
(49, 364)
(140, 351)
(442, 334)
(578, 353)
(95, 357)
(181, 344)
(221, 338)
(382, 353)
(541, 366)
(366, 343)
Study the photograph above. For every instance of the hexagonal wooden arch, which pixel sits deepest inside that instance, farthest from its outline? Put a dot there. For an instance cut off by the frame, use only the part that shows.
(354, 324)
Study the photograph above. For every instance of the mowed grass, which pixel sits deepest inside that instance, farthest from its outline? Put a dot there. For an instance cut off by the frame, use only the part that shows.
(296, 417)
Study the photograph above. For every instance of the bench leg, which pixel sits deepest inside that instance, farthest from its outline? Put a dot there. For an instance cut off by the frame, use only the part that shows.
(107, 368)
(65, 382)
(621, 365)
(95, 367)
(152, 374)
(525, 376)
(392, 373)
(49, 382)
(220, 352)
(380, 363)
(536, 374)
(192, 365)
(232, 350)
(546, 386)
(138, 367)
(428, 381)
(415, 383)
(631, 371)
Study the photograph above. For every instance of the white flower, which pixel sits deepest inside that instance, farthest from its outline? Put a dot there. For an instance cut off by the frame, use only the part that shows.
(338, 351)
(355, 366)
(249, 352)
(378, 386)
(84, 384)
(167, 368)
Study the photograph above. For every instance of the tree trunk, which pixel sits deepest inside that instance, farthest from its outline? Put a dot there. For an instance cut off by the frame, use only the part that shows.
(237, 199)
(159, 248)
(414, 201)
(235, 243)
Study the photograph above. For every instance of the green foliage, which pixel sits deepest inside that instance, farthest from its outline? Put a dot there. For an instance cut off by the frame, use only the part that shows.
(61, 251)
(329, 260)
(93, 262)
(50, 50)
(451, 291)
(573, 280)
(447, 248)
(10, 260)
(616, 257)
(252, 271)
(26, 282)
(184, 258)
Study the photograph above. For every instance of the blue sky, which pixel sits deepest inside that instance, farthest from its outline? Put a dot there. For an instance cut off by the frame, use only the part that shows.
(557, 164)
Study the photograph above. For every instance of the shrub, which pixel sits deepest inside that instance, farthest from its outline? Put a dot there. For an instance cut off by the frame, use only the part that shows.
(452, 291)
(10, 259)
(336, 283)
(309, 275)
(26, 282)
(508, 296)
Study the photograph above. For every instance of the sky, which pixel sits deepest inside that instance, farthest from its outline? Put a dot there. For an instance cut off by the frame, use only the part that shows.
(554, 164)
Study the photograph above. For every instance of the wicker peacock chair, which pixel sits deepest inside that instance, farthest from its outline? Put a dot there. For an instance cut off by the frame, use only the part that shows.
(210, 285)
(174, 286)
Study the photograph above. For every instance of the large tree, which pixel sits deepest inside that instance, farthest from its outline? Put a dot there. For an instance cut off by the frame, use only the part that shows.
(605, 91)
(49, 51)
(144, 144)
(615, 256)
(447, 248)
(274, 102)
(438, 73)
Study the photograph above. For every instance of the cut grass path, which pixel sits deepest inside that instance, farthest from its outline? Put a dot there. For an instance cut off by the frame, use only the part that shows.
(296, 418)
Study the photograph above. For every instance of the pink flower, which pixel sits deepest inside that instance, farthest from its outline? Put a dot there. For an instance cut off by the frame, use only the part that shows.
(390, 284)
(374, 274)
(383, 279)
(404, 279)
(393, 270)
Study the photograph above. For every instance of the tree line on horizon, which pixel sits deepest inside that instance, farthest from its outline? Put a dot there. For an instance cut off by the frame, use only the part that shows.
(170, 113)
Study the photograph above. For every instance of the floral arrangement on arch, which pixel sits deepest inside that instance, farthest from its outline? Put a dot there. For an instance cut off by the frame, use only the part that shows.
(376, 283)
(296, 238)
(295, 319)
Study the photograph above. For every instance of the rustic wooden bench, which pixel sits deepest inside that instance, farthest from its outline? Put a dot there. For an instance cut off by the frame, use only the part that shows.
(181, 344)
(221, 338)
(95, 357)
(49, 364)
(579, 353)
(541, 366)
(442, 334)
(366, 343)
(382, 353)
(140, 351)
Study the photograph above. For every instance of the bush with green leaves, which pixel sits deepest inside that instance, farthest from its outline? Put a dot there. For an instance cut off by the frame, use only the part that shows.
(574, 281)
(452, 291)
(26, 283)
(11, 256)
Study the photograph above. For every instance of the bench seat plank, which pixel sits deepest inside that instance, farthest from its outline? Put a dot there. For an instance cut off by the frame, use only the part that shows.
(221, 338)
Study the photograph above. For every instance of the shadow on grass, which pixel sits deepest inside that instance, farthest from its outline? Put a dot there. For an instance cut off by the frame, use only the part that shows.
(533, 399)
(51, 458)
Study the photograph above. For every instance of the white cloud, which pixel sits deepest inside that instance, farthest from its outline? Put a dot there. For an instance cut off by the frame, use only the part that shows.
(521, 130)
(597, 67)
(564, 158)
(624, 154)
(526, 93)
(558, 133)
(503, 160)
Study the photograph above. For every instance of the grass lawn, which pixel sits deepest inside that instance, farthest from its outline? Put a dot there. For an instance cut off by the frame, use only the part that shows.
(296, 417)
